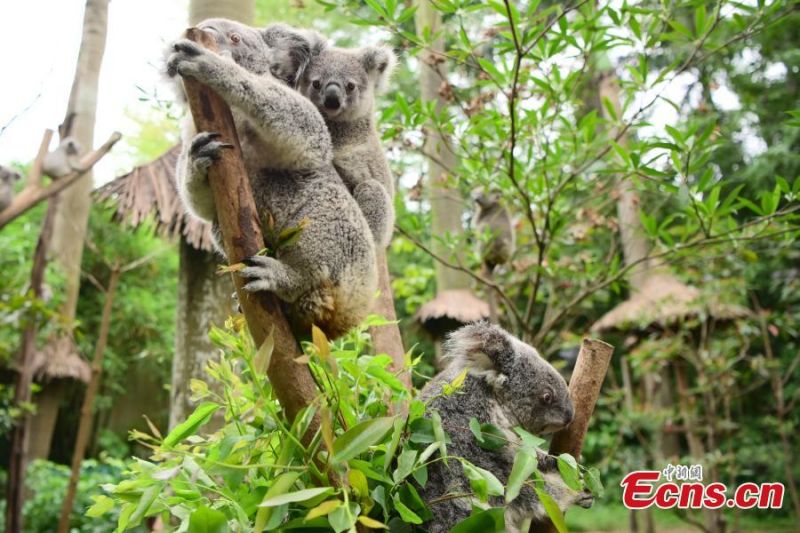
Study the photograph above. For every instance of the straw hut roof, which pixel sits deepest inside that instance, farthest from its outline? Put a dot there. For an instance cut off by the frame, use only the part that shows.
(149, 190)
(59, 359)
(451, 309)
(664, 300)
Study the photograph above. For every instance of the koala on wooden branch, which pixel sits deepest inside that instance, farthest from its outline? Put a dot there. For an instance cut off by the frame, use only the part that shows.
(64, 160)
(8, 177)
(328, 276)
(508, 384)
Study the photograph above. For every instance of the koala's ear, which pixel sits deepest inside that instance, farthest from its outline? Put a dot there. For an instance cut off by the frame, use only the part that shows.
(482, 347)
(294, 42)
(378, 61)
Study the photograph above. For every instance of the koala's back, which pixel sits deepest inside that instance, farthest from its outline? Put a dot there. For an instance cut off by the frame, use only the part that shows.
(474, 400)
(359, 155)
(334, 249)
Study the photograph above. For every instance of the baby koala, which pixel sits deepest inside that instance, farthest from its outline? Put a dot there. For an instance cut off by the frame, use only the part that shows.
(342, 83)
(8, 178)
(64, 159)
(328, 276)
(508, 384)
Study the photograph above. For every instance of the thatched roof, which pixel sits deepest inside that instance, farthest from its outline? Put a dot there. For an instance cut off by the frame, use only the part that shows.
(664, 300)
(451, 309)
(149, 190)
(59, 359)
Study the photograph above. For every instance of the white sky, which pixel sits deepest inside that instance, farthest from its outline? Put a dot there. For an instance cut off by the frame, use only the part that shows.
(44, 36)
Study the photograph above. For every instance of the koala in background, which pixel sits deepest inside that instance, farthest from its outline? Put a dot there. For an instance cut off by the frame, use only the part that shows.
(328, 277)
(8, 178)
(509, 384)
(492, 217)
(342, 84)
(64, 159)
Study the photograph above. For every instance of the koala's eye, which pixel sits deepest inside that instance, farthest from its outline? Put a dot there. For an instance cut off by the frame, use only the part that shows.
(275, 70)
(547, 398)
(316, 84)
(235, 38)
(350, 87)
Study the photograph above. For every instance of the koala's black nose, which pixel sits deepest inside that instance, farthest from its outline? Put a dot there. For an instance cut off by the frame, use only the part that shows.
(333, 95)
(569, 414)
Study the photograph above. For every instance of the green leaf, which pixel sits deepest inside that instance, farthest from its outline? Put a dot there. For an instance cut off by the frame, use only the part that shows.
(281, 484)
(405, 513)
(475, 427)
(493, 437)
(207, 520)
(593, 483)
(102, 505)
(525, 463)
(343, 518)
(391, 449)
(483, 482)
(488, 521)
(405, 464)
(438, 432)
(568, 468)
(552, 510)
(529, 440)
(297, 496)
(190, 426)
(360, 437)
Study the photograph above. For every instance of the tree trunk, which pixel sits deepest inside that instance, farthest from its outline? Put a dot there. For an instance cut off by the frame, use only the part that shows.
(387, 339)
(204, 300)
(20, 437)
(240, 227)
(72, 215)
(87, 409)
(446, 203)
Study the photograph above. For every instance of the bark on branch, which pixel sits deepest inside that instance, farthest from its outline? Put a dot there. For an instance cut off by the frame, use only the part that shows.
(240, 227)
(33, 193)
(584, 389)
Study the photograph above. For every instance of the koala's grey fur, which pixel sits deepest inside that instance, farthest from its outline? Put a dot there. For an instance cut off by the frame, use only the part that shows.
(508, 384)
(342, 84)
(64, 159)
(8, 178)
(328, 277)
(492, 218)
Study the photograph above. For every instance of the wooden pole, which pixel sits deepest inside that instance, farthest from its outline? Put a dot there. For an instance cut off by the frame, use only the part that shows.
(584, 389)
(87, 408)
(387, 339)
(15, 488)
(240, 225)
(33, 193)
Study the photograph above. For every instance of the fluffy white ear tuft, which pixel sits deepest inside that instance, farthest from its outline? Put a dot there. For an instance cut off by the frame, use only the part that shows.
(379, 62)
(482, 348)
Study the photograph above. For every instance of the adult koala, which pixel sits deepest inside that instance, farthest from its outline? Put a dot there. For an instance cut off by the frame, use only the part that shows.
(508, 384)
(328, 277)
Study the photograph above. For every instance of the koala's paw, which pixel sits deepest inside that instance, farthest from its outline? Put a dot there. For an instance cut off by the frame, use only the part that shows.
(585, 499)
(262, 273)
(204, 150)
(190, 59)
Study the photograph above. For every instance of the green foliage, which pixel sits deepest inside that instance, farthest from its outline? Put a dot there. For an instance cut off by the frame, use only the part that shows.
(260, 472)
(47, 483)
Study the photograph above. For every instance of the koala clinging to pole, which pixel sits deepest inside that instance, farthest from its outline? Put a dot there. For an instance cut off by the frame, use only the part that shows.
(8, 178)
(328, 276)
(342, 83)
(64, 159)
(508, 384)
